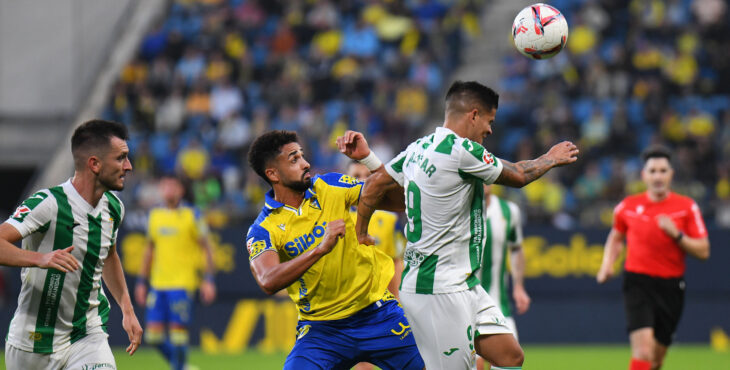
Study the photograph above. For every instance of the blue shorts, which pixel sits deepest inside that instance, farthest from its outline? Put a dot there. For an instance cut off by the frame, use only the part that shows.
(379, 334)
(169, 306)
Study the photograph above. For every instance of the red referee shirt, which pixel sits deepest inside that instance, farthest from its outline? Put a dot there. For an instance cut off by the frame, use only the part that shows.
(648, 249)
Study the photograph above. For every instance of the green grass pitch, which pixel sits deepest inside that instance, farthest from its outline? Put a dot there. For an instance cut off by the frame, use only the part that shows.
(538, 357)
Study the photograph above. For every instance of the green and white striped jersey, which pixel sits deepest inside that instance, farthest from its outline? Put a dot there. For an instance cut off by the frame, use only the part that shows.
(442, 175)
(56, 309)
(503, 233)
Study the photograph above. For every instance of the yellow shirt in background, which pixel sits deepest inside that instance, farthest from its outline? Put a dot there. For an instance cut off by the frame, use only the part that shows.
(384, 228)
(178, 256)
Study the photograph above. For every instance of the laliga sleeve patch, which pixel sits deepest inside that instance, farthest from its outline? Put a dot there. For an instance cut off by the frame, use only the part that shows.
(27, 206)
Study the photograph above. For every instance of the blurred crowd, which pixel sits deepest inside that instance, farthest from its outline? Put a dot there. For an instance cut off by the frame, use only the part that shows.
(214, 74)
(634, 73)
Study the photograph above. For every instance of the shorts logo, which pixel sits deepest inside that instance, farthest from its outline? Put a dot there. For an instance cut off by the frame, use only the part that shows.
(402, 329)
(303, 331)
(403, 332)
(413, 257)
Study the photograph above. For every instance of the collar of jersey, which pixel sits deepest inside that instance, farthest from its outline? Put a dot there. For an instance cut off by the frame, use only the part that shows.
(273, 203)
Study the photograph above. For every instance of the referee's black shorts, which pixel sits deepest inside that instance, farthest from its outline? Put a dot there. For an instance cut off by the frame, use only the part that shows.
(655, 303)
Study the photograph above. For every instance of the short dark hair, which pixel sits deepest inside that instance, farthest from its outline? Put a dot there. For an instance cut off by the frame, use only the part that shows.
(95, 135)
(472, 93)
(266, 147)
(656, 151)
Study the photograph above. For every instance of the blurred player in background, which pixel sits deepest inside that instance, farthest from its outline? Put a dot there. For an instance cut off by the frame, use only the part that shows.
(503, 233)
(383, 227)
(304, 240)
(441, 177)
(172, 261)
(69, 237)
(660, 227)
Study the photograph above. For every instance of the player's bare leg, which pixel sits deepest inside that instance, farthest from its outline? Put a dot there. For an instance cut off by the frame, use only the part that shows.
(500, 350)
(660, 351)
(643, 346)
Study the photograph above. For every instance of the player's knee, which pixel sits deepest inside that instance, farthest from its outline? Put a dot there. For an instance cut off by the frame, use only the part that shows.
(154, 335)
(179, 336)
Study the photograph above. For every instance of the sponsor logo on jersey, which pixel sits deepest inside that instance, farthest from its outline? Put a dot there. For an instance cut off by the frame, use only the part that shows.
(94, 366)
(303, 302)
(303, 242)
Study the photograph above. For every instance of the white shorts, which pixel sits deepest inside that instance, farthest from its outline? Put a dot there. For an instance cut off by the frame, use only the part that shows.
(445, 325)
(90, 352)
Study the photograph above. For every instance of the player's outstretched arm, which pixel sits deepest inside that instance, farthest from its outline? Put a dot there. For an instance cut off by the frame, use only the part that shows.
(524, 172)
(611, 251)
(10, 255)
(113, 276)
(696, 247)
(272, 275)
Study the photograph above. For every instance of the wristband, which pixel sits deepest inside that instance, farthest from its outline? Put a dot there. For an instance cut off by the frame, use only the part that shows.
(679, 237)
(372, 162)
(209, 278)
(141, 280)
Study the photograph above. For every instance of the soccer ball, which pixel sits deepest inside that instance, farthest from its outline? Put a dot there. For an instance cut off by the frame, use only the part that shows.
(539, 31)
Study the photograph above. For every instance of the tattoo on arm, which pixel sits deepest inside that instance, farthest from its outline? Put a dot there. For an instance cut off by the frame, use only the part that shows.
(535, 168)
(524, 172)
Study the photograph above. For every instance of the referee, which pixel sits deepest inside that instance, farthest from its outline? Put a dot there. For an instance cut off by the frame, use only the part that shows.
(660, 227)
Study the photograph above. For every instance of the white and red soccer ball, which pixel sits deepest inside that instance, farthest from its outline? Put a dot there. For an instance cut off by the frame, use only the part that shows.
(539, 31)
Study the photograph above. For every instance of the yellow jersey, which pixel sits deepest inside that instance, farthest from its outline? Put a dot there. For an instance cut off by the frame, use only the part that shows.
(346, 280)
(178, 256)
(384, 228)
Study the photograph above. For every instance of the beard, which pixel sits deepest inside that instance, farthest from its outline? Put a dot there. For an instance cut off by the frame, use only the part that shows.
(110, 182)
(299, 186)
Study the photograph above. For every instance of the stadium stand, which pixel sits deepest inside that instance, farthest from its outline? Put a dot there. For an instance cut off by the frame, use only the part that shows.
(634, 73)
(214, 74)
